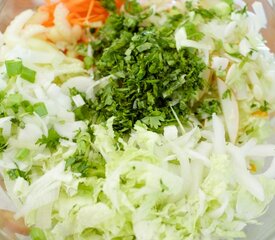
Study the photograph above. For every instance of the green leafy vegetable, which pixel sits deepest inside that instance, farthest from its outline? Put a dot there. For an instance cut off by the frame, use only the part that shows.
(86, 160)
(109, 4)
(192, 32)
(265, 107)
(3, 142)
(16, 172)
(206, 108)
(226, 94)
(148, 73)
(51, 141)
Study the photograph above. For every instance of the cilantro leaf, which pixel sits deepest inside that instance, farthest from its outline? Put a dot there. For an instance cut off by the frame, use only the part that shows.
(15, 173)
(265, 107)
(51, 141)
(153, 121)
(192, 32)
(86, 160)
(3, 143)
(206, 108)
(226, 94)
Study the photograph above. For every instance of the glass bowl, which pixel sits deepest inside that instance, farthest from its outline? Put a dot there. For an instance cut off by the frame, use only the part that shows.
(263, 231)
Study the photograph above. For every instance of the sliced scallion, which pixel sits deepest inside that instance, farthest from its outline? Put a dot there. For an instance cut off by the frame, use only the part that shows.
(13, 67)
(40, 109)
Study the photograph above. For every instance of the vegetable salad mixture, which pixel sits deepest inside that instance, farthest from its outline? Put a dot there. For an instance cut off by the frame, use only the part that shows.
(144, 120)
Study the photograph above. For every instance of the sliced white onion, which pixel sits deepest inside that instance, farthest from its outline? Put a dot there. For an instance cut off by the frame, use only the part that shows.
(170, 133)
(245, 178)
(230, 111)
(219, 135)
(12, 33)
(78, 100)
(219, 63)
(270, 172)
(265, 150)
(260, 13)
(5, 202)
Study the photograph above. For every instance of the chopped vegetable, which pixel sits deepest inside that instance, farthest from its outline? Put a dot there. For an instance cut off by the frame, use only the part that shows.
(14, 67)
(23, 154)
(15, 173)
(148, 74)
(51, 140)
(82, 12)
(40, 109)
(28, 74)
(37, 234)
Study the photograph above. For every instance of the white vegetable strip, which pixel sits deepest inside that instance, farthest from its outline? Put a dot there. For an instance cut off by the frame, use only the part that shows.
(244, 177)
(5, 202)
(219, 135)
(260, 13)
(266, 150)
(78, 100)
(270, 172)
(12, 32)
(230, 110)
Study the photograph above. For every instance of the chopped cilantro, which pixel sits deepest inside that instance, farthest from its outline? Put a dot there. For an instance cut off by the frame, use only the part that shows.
(109, 4)
(3, 142)
(85, 160)
(192, 32)
(16, 172)
(243, 10)
(149, 74)
(265, 107)
(78, 163)
(51, 141)
(205, 13)
(206, 108)
(226, 94)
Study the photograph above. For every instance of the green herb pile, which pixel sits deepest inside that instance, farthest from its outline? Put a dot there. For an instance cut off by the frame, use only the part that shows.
(148, 75)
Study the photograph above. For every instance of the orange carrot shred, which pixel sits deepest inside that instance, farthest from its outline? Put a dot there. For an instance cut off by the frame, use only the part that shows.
(81, 12)
(260, 114)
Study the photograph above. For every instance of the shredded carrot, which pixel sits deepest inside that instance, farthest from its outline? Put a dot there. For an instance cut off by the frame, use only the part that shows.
(81, 12)
(260, 114)
(252, 167)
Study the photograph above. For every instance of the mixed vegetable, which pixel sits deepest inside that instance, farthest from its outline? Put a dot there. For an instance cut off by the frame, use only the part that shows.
(136, 120)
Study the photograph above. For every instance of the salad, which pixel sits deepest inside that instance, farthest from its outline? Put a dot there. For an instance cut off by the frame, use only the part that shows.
(144, 120)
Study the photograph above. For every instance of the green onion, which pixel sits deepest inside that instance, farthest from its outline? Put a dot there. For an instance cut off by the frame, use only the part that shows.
(13, 67)
(40, 109)
(37, 234)
(23, 153)
(28, 74)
